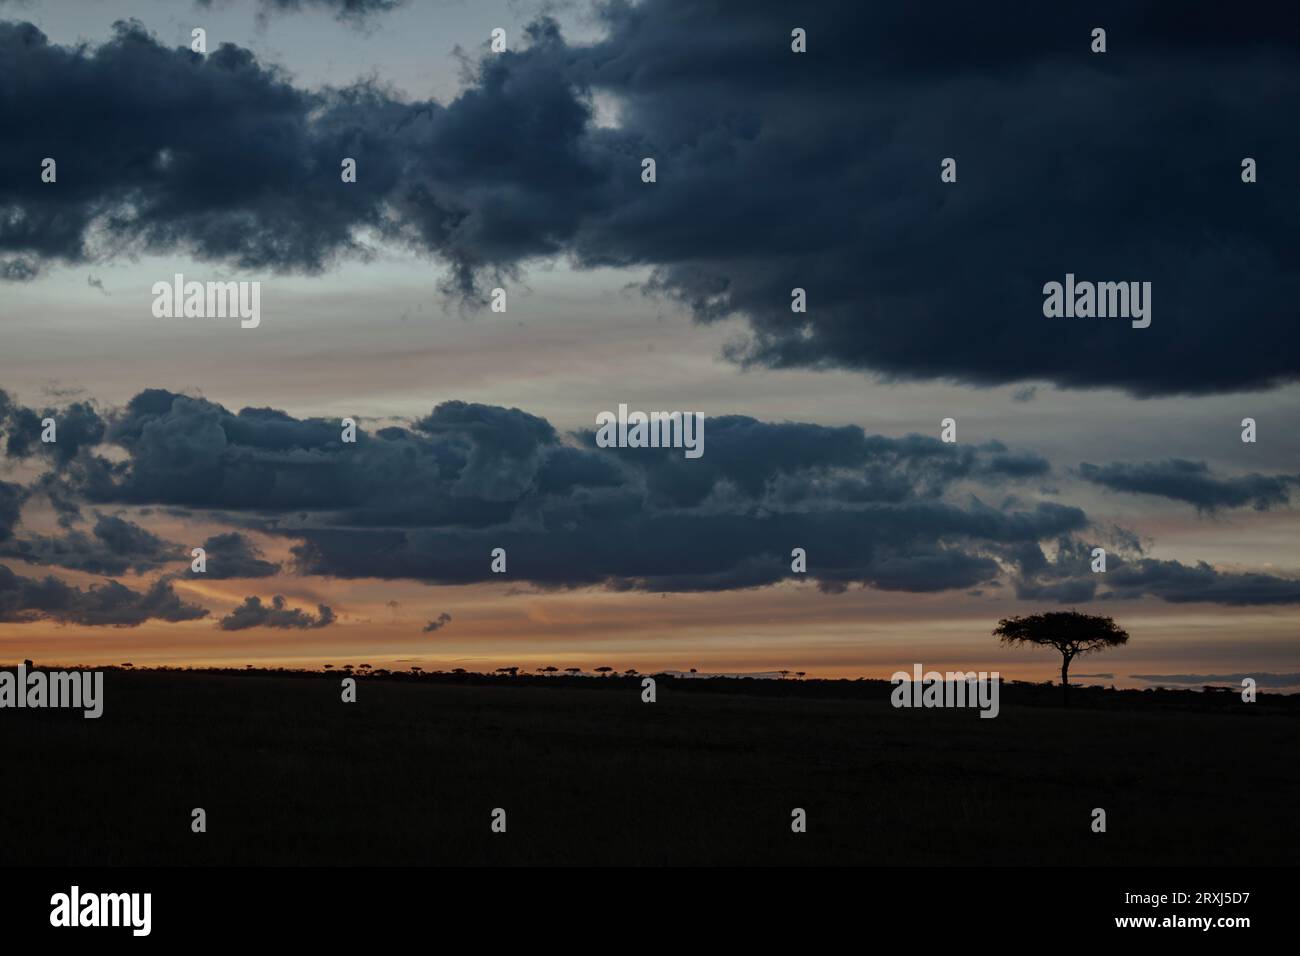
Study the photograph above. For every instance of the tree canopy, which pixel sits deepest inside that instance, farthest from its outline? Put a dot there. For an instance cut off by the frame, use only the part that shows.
(1070, 632)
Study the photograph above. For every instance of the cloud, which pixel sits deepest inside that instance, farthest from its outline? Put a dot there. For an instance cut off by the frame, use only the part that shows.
(1262, 679)
(775, 170)
(1194, 483)
(442, 621)
(1179, 583)
(24, 600)
(233, 555)
(429, 501)
(163, 191)
(253, 613)
(355, 12)
(76, 426)
(1068, 578)
(891, 547)
(479, 465)
(115, 546)
(11, 506)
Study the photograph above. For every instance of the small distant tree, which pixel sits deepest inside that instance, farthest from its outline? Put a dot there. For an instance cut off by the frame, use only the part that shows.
(604, 671)
(630, 672)
(801, 674)
(550, 669)
(573, 670)
(784, 674)
(416, 670)
(1071, 633)
(512, 671)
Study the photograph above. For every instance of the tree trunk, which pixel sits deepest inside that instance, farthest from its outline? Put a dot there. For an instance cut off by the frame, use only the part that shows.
(1065, 679)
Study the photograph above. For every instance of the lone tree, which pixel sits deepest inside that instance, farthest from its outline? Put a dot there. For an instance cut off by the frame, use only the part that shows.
(1069, 632)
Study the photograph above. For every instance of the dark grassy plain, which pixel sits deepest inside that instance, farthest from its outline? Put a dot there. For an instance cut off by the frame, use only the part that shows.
(588, 774)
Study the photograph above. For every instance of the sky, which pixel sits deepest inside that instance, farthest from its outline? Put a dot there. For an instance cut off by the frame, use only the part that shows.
(521, 170)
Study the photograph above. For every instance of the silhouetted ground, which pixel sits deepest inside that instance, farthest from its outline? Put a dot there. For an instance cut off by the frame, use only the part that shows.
(588, 774)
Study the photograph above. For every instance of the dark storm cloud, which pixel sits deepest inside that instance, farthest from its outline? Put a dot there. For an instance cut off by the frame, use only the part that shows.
(233, 555)
(775, 170)
(503, 447)
(114, 546)
(919, 546)
(12, 497)
(1067, 578)
(191, 452)
(1183, 584)
(65, 506)
(253, 613)
(23, 600)
(77, 425)
(440, 494)
(226, 164)
(430, 500)
(1122, 165)
(795, 461)
(478, 465)
(1194, 483)
(128, 539)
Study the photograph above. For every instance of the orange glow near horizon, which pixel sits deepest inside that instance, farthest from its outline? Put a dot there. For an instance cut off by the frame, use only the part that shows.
(860, 633)
(789, 626)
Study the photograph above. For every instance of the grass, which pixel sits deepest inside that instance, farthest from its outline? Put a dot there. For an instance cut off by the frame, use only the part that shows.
(588, 774)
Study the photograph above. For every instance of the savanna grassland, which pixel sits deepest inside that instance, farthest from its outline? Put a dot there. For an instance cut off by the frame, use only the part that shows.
(589, 774)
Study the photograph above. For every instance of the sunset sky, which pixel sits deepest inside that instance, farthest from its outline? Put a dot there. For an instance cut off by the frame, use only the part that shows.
(522, 170)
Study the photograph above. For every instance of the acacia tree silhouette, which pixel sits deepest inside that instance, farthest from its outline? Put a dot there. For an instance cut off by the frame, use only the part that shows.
(1070, 632)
